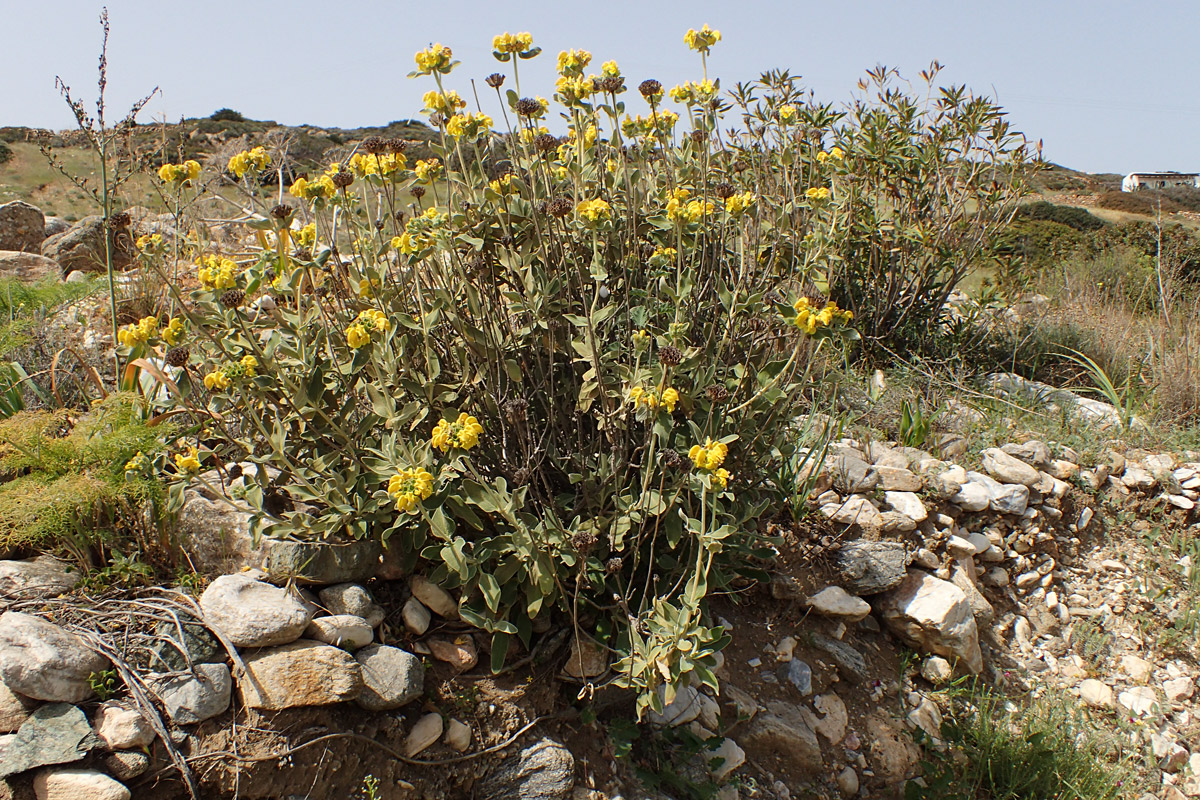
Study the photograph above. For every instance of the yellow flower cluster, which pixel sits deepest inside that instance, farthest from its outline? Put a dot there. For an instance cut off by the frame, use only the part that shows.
(366, 164)
(358, 333)
(434, 58)
(695, 92)
(594, 211)
(409, 487)
(179, 173)
(138, 332)
(810, 320)
(787, 113)
(529, 134)
(575, 89)
(471, 125)
(216, 272)
(660, 122)
(419, 232)
(447, 102)
(817, 193)
(701, 40)
(150, 241)
(663, 257)
(738, 203)
(679, 208)
(649, 398)
(609, 69)
(709, 455)
(320, 188)
(428, 169)
(513, 43)
(173, 333)
(189, 463)
(306, 236)
(573, 62)
(217, 381)
(837, 154)
(641, 340)
(249, 365)
(249, 160)
(463, 433)
(503, 184)
(138, 463)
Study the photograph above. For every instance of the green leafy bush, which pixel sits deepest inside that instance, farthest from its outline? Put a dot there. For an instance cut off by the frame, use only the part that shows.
(1078, 218)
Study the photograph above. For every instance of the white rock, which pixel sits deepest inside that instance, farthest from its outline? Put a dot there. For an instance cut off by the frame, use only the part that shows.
(836, 602)
(427, 731)
(1096, 694)
(416, 616)
(847, 782)
(1006, 498)
(683, 709)
(342, 630)
(252, 613)
(894, 479)
(1178, 689)
(38, 659)
(908, 504)
(1179, 501)
(458, 736)
(732, 757)
(856, 510)
(971, 497)
(121, 726)
(57, 783)
(834, 719)
(1140, 700)
(352, 599)
(935, 616)
(1138, 669)
(957, 547)
(936, 670)
(1006, 469)
(980, 541)
(1137, 478)
(434, 597)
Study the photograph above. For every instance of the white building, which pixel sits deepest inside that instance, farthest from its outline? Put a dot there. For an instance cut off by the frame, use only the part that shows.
(1159, 180)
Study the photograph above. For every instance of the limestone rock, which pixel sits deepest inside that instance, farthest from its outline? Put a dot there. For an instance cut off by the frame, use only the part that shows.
(35, 578)
(120, 726)
(684, 708)
(588, 659)
(783, 732)
(416, 616)
(54, 734)
(434, 597)
(27, 267)
(190, 699)
(1140, 700)
(350, 598)
(936, 670)
(1034, 453)
(892, 750)
(543, 771)
(836, 602)
(856, 510)
(300, 674)
(850, 663)
(14, 709)
(835, 718)
(22, 227)
(459, 652)
(324, 562)
(866, 567)
(215, 534)
(125, 765)
(427, 731)
(897, 479)
(458, 736)
(341, 630)
(54, 225)
(253, 614)
(1005, 498)
(391, 677)
(847, 782)
(82, 247)
(961, 576)
(908, 504)
(1096, 694)
(41, 660)
(935, 616)
(77, 784)
(971, 496)
(731, 758)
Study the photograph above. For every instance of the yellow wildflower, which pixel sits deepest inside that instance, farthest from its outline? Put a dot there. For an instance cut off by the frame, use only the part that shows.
(709, 455)
(446, 102)
(216, 272)
(787, 113)
(573, 62)
(216, 380)
(463, 433)
(503, 184)
(255, 160)
(701, 40)
(641, 340)
(471, 125)
(594, 211)
(434, 58)
(609, 69)
(179, 173)
(670, 397)
(738, 203)
(512, 44)
(409, 487)
(137, 463)
(574, 89)
(139, 332)
(817, 193)
(189, 463)
(173, 333)
(150, 241)
(357, 336)
(249, 366)
(720, 478)
(427, 169)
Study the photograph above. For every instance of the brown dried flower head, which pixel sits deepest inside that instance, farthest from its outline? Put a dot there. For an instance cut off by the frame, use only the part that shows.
(495, 80)
(232, 298)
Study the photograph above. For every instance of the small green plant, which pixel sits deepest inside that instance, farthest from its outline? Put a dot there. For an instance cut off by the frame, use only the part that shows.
(1093, 643)
(105, 683)
(915, 424)
(1126, 398)
(370, 788)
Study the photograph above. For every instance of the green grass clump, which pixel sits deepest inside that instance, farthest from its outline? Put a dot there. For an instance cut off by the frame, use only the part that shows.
(19, 299)
(69, 480)
(1042, 749)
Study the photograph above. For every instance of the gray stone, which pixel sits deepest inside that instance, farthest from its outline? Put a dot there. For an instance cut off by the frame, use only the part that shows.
(125, 765)
(215, 534)
(298, 675)
(41, 660)
(866, 567)
(856, 510)
(191, 699)
(14, 709)
(799, 674)
(350, 598)
(27, 267)
(416, 616)
(1005, 498)
(82, 247)
(960, 576)
(682, 709)
(783, 732)
(253, 614)
(391, 677)
(1034, 453)
(54, 734)
(971, 496)
(77, 784)
(935, 616)
(201, 646)
(851, 475)
(54, 225)
(849, 662)
(908, 504)
(347, 561)
(36, 578)
(341, 630)
(22, 227)
(895, 479)
(543, 771)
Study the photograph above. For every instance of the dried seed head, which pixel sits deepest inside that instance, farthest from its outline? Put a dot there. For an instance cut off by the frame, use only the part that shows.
(717, 393)
(669, 356)
(559, 207)
(650, 88)
(724, 190)
(282, 211)
(395, 146)
(528, 107)
(672, 459)
(437, 119)
(342, 178)
(545, 143)
(613, 84)
(232, 298)
(516, 410)
(613, 565)
(521, 476)
(379, 224)
(698, 136)
(583, 542)
(119, 220)
(495, 80)
(374, 145)
(302, 254)
(178, 356)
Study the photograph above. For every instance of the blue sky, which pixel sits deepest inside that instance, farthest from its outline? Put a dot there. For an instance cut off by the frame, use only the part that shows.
(1105, 85)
